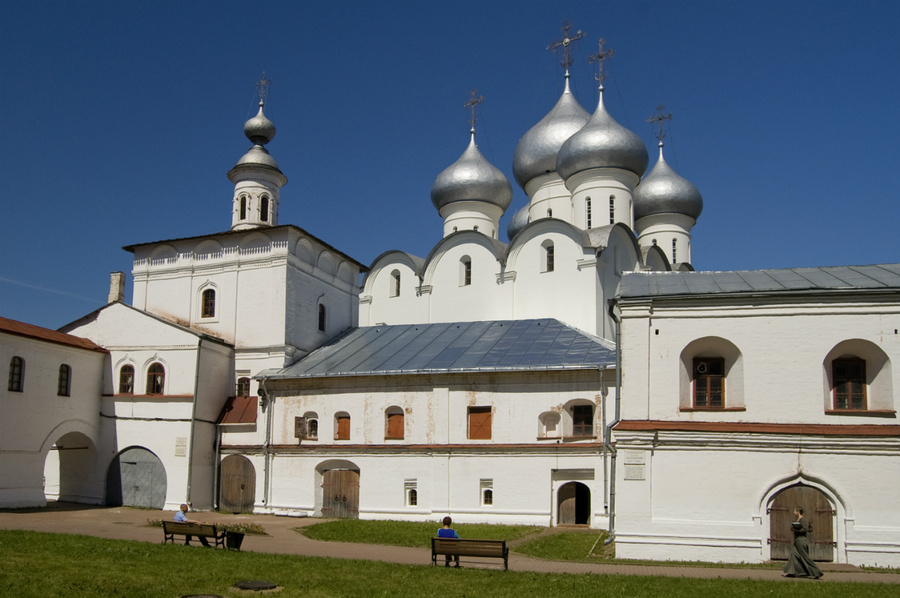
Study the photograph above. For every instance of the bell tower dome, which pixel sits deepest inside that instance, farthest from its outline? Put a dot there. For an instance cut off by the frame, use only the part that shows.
(256, 176)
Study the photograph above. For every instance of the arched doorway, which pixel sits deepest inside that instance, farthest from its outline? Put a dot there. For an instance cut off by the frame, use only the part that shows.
(816, 507)
(237, 485)
(340, 493)
(136, 478)
(573, 504)
(69, 470)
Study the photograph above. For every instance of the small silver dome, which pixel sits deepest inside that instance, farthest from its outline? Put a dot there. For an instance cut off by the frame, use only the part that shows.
(536, 152)
(471, 178)
(257, 155)
(518, 222)
(259, 129)
(602, 143)
(664, 191)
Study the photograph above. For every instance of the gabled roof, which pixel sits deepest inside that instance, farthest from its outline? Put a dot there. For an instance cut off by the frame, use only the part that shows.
(494, 346)
(884, 277)
(45, 334)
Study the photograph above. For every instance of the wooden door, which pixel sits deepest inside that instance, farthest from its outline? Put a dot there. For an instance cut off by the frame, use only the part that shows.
(816, 508)
(573, 504)
(237, 490)
(340, 494)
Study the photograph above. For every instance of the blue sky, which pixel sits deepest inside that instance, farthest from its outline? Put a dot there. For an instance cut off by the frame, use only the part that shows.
(121, 119)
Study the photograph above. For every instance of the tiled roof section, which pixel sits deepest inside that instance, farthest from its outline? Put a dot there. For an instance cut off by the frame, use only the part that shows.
(654, 284)
(494, 346)
(45, 334)
(239, 410)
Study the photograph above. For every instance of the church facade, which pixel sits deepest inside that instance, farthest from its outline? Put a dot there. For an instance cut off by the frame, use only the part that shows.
(580, 373)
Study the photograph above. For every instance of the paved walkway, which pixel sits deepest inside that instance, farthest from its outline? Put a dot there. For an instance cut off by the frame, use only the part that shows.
(121, 523)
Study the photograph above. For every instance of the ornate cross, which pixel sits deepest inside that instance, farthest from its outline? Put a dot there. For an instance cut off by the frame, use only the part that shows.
(566, 41)
(474, 101)
(262, 86)
(601, 57)
(659, 118)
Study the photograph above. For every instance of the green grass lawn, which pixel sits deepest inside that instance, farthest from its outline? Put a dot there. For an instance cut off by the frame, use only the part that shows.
(408, 533)
(54, 565)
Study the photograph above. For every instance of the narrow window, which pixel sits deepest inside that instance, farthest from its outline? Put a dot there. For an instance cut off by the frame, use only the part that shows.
(16, 374)
(156, 379)
(209, 303)
(65, 380)
(612, 209)
(709, 382)
(674, 251)
(321, 317)
(342, 426)
(583, 420)
(243, 387)
(243, 207)
(465, 271)
(548, 258)
(394, 423)
(479, 423)
(587, 211)
(475, 228)
(550, 213)
(126, 380)
(395, 283)
(849, 376)
(411, 491)
(312, 428)
(487, 491)
(264, 208)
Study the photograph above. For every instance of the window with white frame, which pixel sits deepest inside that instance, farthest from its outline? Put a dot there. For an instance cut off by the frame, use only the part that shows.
(411, 492)
(126, 380)
(395, 283)
(465, 271)
(487, 492)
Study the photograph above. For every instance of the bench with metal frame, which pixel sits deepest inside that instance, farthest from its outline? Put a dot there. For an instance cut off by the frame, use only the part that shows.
(204, 530)
(458, 547)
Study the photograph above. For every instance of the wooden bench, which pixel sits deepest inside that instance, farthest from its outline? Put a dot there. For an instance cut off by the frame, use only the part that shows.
(456, 547)
(204, 530)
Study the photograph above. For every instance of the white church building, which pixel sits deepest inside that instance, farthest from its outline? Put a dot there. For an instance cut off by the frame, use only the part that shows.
(578, 373)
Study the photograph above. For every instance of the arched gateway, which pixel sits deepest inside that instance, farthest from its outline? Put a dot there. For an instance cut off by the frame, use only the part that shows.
(816, 507)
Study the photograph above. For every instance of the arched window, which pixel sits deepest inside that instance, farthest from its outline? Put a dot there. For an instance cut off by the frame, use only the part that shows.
(548, 425)
(321, 317)
(16, 374)
(126, 380)
(264, 208)
(65, 380)
(550, 213)
(312, 425)
(849, 381)
(582, 420)
(156, 379)
(208, 309)
(548, 255)
(412, 497)
(395, 283)
(465, 271)
(394, 423)
(243, 387)
(342, 426)
(243, 207)
(487, 491)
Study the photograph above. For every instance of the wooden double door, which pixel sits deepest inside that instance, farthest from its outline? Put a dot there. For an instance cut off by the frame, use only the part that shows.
(340, 494)
(816, 508)
(237, 491)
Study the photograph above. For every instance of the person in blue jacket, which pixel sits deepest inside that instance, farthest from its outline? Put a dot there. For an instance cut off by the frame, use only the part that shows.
(448, 532)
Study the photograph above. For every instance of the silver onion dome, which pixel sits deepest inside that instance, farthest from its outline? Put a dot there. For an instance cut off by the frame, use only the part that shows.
(602, 143)
(518, 222)
(471, 178)
(259, 129)
(536, 152)
(664, 191)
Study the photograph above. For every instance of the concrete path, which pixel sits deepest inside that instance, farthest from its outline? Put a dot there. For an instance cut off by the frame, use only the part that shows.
(122, 523)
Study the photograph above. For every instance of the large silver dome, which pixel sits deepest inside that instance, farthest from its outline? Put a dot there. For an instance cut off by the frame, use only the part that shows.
(602, 143)
(664, 191)
(471, 178)
(518, 222)
(536, 152)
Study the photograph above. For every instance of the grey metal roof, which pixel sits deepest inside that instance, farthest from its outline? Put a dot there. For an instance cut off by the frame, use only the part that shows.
(495, 346)
(655, 284)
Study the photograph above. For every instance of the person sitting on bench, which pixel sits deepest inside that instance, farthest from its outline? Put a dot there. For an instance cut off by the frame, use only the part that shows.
(448, 532)
(181, 517)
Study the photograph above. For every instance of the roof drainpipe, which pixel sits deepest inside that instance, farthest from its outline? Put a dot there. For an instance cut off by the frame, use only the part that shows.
(190, 449)
(265, 403)
(608, 435)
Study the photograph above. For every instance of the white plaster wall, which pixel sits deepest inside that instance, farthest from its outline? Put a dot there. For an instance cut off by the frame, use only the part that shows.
(484, 299)
(383, 308)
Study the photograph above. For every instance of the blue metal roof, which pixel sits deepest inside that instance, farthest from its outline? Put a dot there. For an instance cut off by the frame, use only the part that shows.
(654, 284)
(494, 346)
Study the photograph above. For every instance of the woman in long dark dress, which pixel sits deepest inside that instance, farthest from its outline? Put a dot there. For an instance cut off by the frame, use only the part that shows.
(800, 564)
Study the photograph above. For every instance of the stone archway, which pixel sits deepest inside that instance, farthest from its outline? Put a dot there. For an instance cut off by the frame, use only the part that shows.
(237, 484)
(70, 470)
(816, 507)
(136, 478)
(573, 504)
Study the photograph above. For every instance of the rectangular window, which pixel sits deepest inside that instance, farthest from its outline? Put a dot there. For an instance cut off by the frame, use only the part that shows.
(342, 431)
(65, 377)
(209, 303)
(612, 209)
(709, 382)
(395, 426)
(587, 211)
(412, 493)
(550, 258)
(674, 251)
(479, 423)
(582, 420)
(849, 376)
(487, 491)
(16, 374)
